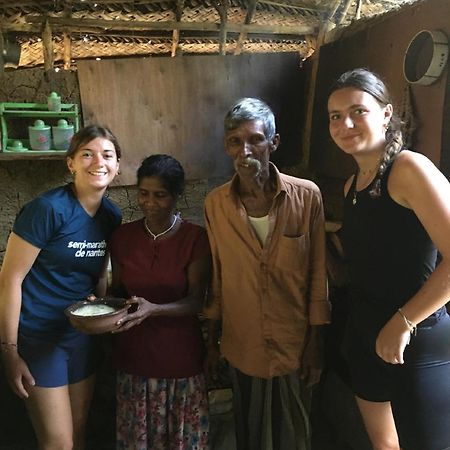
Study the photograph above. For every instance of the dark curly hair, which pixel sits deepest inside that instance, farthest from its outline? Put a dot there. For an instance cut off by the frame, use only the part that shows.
(165, 167)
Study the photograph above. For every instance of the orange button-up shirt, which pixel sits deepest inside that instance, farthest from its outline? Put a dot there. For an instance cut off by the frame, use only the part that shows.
(267, 296)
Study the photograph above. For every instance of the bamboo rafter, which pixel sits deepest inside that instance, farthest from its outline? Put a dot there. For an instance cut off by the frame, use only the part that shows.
(111, 27)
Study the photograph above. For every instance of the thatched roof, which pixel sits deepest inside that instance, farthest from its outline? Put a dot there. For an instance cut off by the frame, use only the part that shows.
(56, 33)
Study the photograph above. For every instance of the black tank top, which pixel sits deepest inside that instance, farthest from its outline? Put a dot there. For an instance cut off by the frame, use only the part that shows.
(390, 255)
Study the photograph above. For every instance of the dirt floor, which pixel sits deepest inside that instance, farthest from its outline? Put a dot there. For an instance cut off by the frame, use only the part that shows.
(334, 424)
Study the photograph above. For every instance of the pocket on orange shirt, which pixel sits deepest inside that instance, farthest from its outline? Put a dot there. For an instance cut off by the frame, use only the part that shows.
(292, 252)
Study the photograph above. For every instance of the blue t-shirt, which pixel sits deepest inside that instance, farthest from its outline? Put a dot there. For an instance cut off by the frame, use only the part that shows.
(73, 249)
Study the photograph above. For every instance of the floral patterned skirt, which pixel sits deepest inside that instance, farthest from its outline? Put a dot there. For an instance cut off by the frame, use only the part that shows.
(162, 414)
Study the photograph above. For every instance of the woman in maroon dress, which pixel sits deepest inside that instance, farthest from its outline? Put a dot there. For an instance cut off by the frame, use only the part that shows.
(162, 262)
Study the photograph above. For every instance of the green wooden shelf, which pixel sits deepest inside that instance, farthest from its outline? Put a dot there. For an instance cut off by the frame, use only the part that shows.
(10, 155)
(9, 112)
(15, 156)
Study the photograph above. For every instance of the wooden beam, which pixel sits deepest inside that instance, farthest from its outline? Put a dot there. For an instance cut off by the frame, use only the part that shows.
(176, 32)
(223, 40)
(307, 125)
(248, 19)
(47, 47)
(59, 23)
(291, 6)
(179, 10)
(250, 11)
(222, 8)
(311, 42)
(175, 41)
(67, 8)
(344, 12)
(144, 36)
(18, 4)
(191, 35)
(67, 51)
(21, 27)
(334, 9)
(50, 3)
(67, 41)
(240, 43)
(358, 10)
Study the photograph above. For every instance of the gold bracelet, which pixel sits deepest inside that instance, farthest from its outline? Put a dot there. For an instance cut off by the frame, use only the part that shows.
(10, 344)
(409, 324)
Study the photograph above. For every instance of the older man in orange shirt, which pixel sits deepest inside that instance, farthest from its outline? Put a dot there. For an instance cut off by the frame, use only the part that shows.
(269, 287)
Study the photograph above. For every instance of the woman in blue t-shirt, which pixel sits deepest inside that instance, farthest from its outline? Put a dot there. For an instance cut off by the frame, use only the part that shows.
(50, 264)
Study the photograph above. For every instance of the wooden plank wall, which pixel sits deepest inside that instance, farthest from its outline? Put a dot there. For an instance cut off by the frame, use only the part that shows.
(177, 105)
(381, 48)
(444, 163)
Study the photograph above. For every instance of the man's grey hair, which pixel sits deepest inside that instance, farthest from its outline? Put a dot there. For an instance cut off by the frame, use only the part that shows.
(247, 109)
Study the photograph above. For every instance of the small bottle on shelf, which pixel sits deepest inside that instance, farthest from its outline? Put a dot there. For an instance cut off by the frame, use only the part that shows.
(62, 134)
(54, 102)
(40, 138)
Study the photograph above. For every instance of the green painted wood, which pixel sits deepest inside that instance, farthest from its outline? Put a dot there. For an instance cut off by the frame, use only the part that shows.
(9, 111)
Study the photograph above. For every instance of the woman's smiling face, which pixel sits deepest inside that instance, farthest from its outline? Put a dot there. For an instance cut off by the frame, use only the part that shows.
(155, 201)
(357, 121)
(94, 164)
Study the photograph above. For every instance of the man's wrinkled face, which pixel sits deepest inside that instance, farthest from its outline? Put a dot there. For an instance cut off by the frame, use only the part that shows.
(249, 148)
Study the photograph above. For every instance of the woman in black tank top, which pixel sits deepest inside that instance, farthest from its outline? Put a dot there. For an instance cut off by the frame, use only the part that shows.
(396, 211)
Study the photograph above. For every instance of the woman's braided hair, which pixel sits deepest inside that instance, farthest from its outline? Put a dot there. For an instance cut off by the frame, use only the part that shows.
(367, 81)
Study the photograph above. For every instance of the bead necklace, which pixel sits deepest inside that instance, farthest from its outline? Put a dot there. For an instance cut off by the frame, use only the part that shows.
(363, 172)
(156, 236)
(355, 199)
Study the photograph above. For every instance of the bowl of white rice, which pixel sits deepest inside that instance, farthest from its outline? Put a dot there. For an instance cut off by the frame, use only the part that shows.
(97, 316)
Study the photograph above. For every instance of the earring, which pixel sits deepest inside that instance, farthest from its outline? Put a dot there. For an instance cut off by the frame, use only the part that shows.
(73, 172)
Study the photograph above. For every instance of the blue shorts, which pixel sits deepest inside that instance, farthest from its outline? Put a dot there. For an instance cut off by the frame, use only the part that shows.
(58, 363)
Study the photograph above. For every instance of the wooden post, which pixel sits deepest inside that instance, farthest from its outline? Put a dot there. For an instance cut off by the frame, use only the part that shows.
(67, 51)
(306, 140)
(176, 31)
(222, 8)
(358, 10)
(344, 13)
(240, 43)
(248, 19)
(47, 47)
(175, 41)
(179, 11)
(333, 9)
(67, 39)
